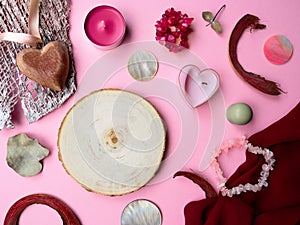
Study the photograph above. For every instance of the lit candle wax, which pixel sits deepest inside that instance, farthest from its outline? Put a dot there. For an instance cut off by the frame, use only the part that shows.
(105, 27)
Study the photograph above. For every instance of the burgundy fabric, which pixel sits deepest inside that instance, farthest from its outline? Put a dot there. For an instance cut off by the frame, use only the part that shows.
(277, 204)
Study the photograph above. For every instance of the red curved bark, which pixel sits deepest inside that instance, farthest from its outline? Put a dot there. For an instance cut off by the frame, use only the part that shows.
(257, 81)
(67, 215)
(206, 187)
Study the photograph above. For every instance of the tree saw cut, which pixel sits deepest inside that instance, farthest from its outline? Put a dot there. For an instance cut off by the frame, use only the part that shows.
(112, 142)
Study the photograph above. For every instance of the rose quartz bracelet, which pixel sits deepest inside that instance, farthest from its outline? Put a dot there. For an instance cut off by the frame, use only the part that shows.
(264, 174)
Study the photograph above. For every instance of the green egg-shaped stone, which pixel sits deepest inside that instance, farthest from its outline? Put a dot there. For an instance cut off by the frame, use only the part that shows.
(239, 113)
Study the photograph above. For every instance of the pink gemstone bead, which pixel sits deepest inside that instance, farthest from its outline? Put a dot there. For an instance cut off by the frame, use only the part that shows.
(278, 49)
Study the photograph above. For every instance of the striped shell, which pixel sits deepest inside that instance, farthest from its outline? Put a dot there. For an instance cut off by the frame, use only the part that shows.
(142, 65)
(141, 212)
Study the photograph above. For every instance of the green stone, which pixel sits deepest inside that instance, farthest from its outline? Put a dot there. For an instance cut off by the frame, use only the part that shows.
(239, 113)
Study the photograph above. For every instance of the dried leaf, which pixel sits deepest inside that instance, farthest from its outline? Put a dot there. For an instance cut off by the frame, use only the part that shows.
(216, 26)
(207, 16)
(24, 155)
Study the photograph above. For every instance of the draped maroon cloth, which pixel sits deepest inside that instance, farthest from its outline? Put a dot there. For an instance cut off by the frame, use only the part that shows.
(277, 204)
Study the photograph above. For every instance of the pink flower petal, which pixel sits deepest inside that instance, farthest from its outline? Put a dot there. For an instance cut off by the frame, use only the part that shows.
(173, 28)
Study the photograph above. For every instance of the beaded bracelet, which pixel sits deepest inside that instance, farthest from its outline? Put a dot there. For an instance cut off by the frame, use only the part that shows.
(264, 174)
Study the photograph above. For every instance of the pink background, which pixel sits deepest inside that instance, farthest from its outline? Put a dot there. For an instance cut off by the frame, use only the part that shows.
(171, 195)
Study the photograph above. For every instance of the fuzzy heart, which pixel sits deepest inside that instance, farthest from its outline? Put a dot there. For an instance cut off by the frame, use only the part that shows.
(198, 86)
(48, 66)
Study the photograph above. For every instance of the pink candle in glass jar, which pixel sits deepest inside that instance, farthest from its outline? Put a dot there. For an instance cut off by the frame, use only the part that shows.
(105, 27)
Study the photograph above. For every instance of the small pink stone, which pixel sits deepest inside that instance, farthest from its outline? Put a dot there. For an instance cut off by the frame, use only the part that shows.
(278, 49)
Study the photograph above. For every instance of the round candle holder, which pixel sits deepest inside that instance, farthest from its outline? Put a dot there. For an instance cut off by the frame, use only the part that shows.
(105, 27)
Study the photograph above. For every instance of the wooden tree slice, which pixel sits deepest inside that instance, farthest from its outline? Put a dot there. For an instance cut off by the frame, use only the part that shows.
(112, 142)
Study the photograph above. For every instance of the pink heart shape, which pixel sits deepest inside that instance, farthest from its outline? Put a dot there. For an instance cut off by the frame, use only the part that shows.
(198, 86)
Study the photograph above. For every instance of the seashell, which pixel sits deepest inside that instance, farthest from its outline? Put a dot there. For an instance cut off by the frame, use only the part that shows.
(141, 212)
(278, 49)
(112, 142)
(142, 65)
(24, 155)
(209, 17)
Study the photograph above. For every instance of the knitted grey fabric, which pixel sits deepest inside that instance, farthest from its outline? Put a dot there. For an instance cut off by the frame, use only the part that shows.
(35, 99)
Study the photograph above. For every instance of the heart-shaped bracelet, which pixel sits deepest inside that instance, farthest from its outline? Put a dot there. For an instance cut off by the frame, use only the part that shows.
(264, 174)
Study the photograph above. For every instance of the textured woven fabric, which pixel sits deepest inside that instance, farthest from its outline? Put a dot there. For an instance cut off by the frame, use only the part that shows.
(277, 204)
(36, 100)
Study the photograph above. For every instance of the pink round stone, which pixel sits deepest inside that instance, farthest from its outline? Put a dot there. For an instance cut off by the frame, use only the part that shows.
(278, 49)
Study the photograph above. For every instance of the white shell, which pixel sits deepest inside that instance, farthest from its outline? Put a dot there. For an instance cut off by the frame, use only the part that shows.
(24, 155)
(142, 65)
(112, 142)
(141, 212)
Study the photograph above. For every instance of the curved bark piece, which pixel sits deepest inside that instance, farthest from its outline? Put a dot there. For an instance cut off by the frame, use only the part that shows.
(257, 81)
(204, 184)
(67, 215)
